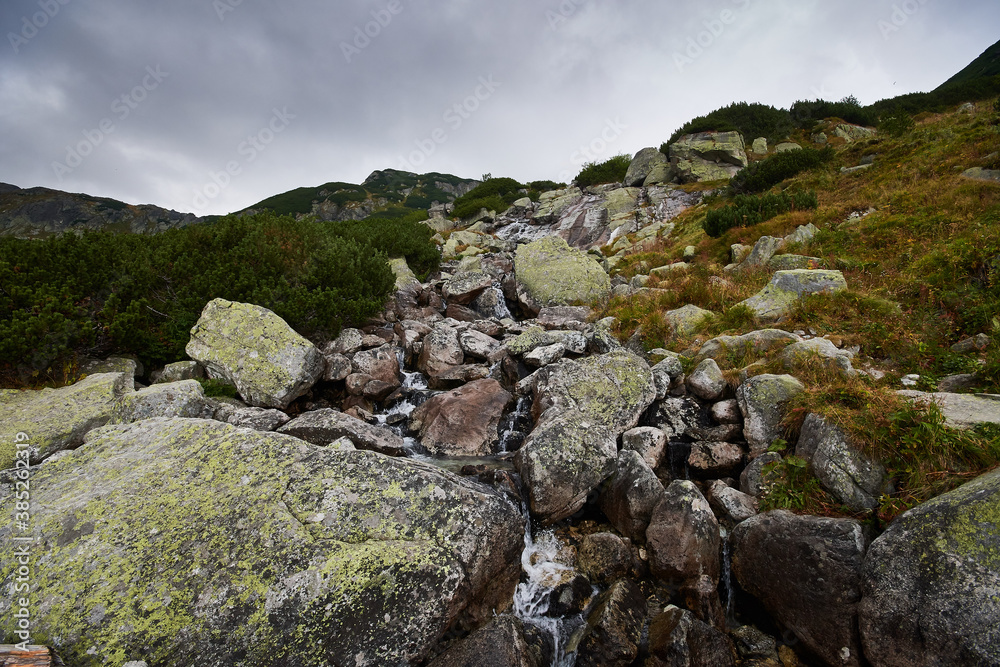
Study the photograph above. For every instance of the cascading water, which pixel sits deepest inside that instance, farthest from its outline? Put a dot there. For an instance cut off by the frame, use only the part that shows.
(516, 425)
(727, 576)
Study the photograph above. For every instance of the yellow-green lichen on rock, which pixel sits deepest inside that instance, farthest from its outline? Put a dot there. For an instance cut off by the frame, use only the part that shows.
(788, 287)
(58, 419)
(185, 541)
(550, 273)
(405, 278)
(255, 350)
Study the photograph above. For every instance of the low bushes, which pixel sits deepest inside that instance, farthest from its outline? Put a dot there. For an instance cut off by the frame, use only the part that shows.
(749, 210)
(762, 176)
(612, 170)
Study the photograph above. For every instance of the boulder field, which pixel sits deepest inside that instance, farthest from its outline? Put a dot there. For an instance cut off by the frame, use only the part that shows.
(454, 485)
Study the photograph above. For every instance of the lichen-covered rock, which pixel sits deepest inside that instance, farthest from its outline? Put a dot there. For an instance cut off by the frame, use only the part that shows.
(788, 287)
(818, 349)
(843, 470)
(182, 370)
(57, 419)
(258, 419)
(604, 557)
(753, 343)
(713, 460)
(174, 399)
(322, 427)
(706, 380)
(466, 286)
(755, 477)
(650, 443)
(405, 278)
(462, 422)
(630, 495)
(683, 536)
(931, 582)
(684, 321)
(545, 355)
(550, 273)
(762, 400)
(442, 351)
(478, 345)
(255, 350)
(961, 411)
(271, 552)
(806, 570)
(729, 504)
(708, 156)
(582, 407)
(850, 133)
(763, 250)
(552, 204)
(642, 164)
(338, 367)
(792, 262)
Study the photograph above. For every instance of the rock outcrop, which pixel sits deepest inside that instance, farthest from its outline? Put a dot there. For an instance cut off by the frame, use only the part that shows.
(708, 156)
(550, 273)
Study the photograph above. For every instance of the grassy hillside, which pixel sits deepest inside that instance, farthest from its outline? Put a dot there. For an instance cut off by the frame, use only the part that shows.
(919, 246)
(986, 65)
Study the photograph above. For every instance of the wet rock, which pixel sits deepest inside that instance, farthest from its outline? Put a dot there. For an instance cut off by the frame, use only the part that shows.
(806, 571)
(762, 400)
(683, 536)
(464, 421)
(335, 548)
(604, 557)
(58, 419)
(321, 427)
(456, 376)
(255, 350)
(715, 459)
(441, 351)
(754, 647)
(630, 495)
(615, 627)
(730, 505)
(174, 399)
(930, 582)
(650, 443)
(381, 363)
(499, 643)
(678, 639)
(841, 468)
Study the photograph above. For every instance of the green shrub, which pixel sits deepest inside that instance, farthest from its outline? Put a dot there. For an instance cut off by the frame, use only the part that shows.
(612, 170)
(807, 113)
(897, 123)
(405, 237)
(101, 293)
(493, 194)
(749, 210)
(763, 175)
(750, 120)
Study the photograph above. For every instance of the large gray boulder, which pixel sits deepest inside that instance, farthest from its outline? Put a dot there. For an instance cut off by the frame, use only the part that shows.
(787, 288)
(806, 571)
(708, 156)
(931, 582)
(961, 411)
(762, 401)
(462, 422)
(270, 552)
(753, 343)
(466, 286)
(550, 273)
(582, 407)
(255, 350)
(841, 468)
(173, 399)
(58, 419)
(642, 164)
(683, 536)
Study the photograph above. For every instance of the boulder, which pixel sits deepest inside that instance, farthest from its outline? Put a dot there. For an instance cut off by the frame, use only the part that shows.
(754, 478)
(762, 401)
(684, 321)
(762, 252)
(182, 370)
(381, 363)
(972, 344)
(405, 278)
(819, 349)
(727, 412)
(499, 643)
(272, 552)
(753, 343)
(563, 317)
(980, 174)
(348, 342)
(931, 582)
(552, 204)
(255, 350)
(642, 164)
(648, 442)
(581, 407)
(257, 419)
(464, 421)
(667, 374)
(676, 416)
(851, 133)
(660, 174)
(604, 557)
(760, 146)
(678, 639)
(713, 460)
(550, 273)
(465, 287)
(729, 504)
(706, 380)
(806, 571)
(57, 419)
(786, 146)
(338, 367)
(442, 351)
(174, 399)
(630, 495)
(708, 156)
(545, 355)
(683, 536)
(961, 411)
(788, 287)
(803, 235)
(793, 262)
(841, 468)
(615, 627)
(477, 345)
(322, 427)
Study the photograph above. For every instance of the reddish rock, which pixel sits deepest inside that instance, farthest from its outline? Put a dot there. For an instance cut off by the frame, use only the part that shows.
(462, 422)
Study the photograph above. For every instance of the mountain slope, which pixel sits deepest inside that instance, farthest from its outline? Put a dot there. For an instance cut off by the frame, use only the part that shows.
(987, 64)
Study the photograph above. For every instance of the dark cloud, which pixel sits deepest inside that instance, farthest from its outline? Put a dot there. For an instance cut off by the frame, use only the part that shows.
(191, 89)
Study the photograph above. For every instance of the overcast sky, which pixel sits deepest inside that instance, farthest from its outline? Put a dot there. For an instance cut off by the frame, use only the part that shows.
(209, 106)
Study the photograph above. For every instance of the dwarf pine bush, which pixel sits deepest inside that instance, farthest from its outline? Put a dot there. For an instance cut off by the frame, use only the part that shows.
(749, 210)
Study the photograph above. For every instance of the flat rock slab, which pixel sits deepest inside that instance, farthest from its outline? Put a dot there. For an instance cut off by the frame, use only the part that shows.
(322, 427)
(550, 273)
(961, 411)
(192, 541)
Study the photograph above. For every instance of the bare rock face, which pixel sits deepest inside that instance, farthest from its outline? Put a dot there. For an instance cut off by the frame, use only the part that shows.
(931, 580)
(464, 421)
(274, 553)
(323, 427)
(630, 495)
(381, 363)
(683, 536)
(806, 570)
(499, 643)
(255, 350)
